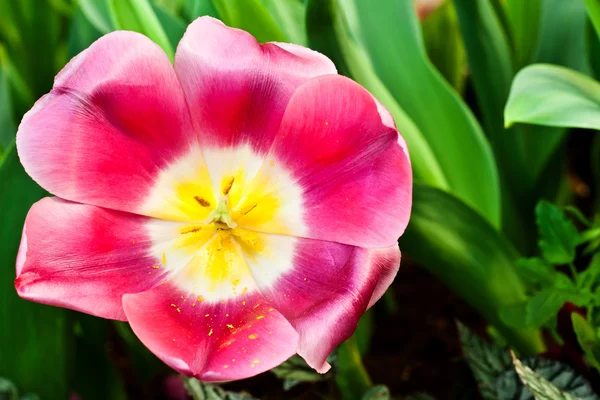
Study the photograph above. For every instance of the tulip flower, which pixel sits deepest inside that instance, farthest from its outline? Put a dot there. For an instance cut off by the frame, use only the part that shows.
(236, 208)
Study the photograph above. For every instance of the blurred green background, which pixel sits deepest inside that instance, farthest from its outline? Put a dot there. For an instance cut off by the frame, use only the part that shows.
(499, 104)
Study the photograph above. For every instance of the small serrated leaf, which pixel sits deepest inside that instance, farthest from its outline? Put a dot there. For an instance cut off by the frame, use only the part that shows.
(535, 270)
(558, 236)
(486, 361)
(206, 391)
(587, 338)
(379, 392)
(563, 378)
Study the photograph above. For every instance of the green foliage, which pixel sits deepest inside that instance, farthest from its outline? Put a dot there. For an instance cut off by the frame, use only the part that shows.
(206, 391)
(295, 371)
(554, 96)
(449, 127)
(544, 380)
(465, 251)
(379, 392)
(35, 339)
(251, 16)
(587, 338)
(558, 236)
(139, 16)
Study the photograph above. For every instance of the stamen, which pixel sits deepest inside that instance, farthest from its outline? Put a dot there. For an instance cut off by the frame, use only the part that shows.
(190, 229)
(202, 201)
(228, 185)
(249, 209)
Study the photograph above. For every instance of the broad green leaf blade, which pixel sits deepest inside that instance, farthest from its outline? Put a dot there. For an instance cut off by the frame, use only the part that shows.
(593, 10)
(7, 123)
(524, 18)
(98, 14)
(554, 96)
(542, 379)
(82, 34)
(536, 271)
(538, 310)
(328, 33)
(138, 16)
(464, 250)
(193, 9)
(558, 236)
(485, 360)
(173, 26)
(351, 376)
(290, 16)
(35, 339)
(251, 16)
(441, 34)
(398, 55)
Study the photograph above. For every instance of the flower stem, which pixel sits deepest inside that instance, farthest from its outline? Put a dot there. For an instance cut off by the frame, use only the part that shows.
(352, 377)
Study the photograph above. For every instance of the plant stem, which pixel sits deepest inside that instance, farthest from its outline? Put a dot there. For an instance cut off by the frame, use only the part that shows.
(352, 377)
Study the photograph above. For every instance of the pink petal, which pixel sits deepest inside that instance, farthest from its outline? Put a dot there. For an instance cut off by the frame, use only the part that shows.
(115, 117)
(84, 257)
(218, 341)
(236, 88)
(343, 151)
(326, 290)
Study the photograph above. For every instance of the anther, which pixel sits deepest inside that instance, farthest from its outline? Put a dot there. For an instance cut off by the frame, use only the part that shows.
(250, 209)
(202, 201)
(228, 185)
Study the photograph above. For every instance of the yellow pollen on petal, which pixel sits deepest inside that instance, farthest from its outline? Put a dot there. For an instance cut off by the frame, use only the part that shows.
(244, 302)
(200, 299)
(156, 266)
(178, 310)
(260, 317)
(210, 332)
(230, 326)
(253, 336)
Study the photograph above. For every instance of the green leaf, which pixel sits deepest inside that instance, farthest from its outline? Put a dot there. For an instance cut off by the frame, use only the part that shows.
(7, 123)
(586, 336)
(593, 10)
(589, 277)
(98, 14)
(541, 379)
(398, 55)
(351, 376)
(524, 18)
(536, 311)
(251, 16)
(290, 16)
(465, 252)
(138, 16)
(536, 271)
(207, 391)
(441, 34)
(420, 396)
(295, 371)
(328, 32)
(193, 9)
(173, 26)
(558, 236)
(8, 391)
(82, 34)
(379, 392)
(485, 360)
(35, 339)
(554, 96)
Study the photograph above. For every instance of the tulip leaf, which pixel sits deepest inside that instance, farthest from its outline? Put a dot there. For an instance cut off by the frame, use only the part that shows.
(524, 18)
(441, 34)
(173, 26)
(593, 10)
(558, 235)
(290, 16)
(139, 16)
(34, 339)
(98, 13)
(7, 123)
(486, 360)
(540, 379)
(464, 250)
(328, 32)
(251, 16)
(398, 55)
(554, 96)
(193, 9)
(83, 33)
